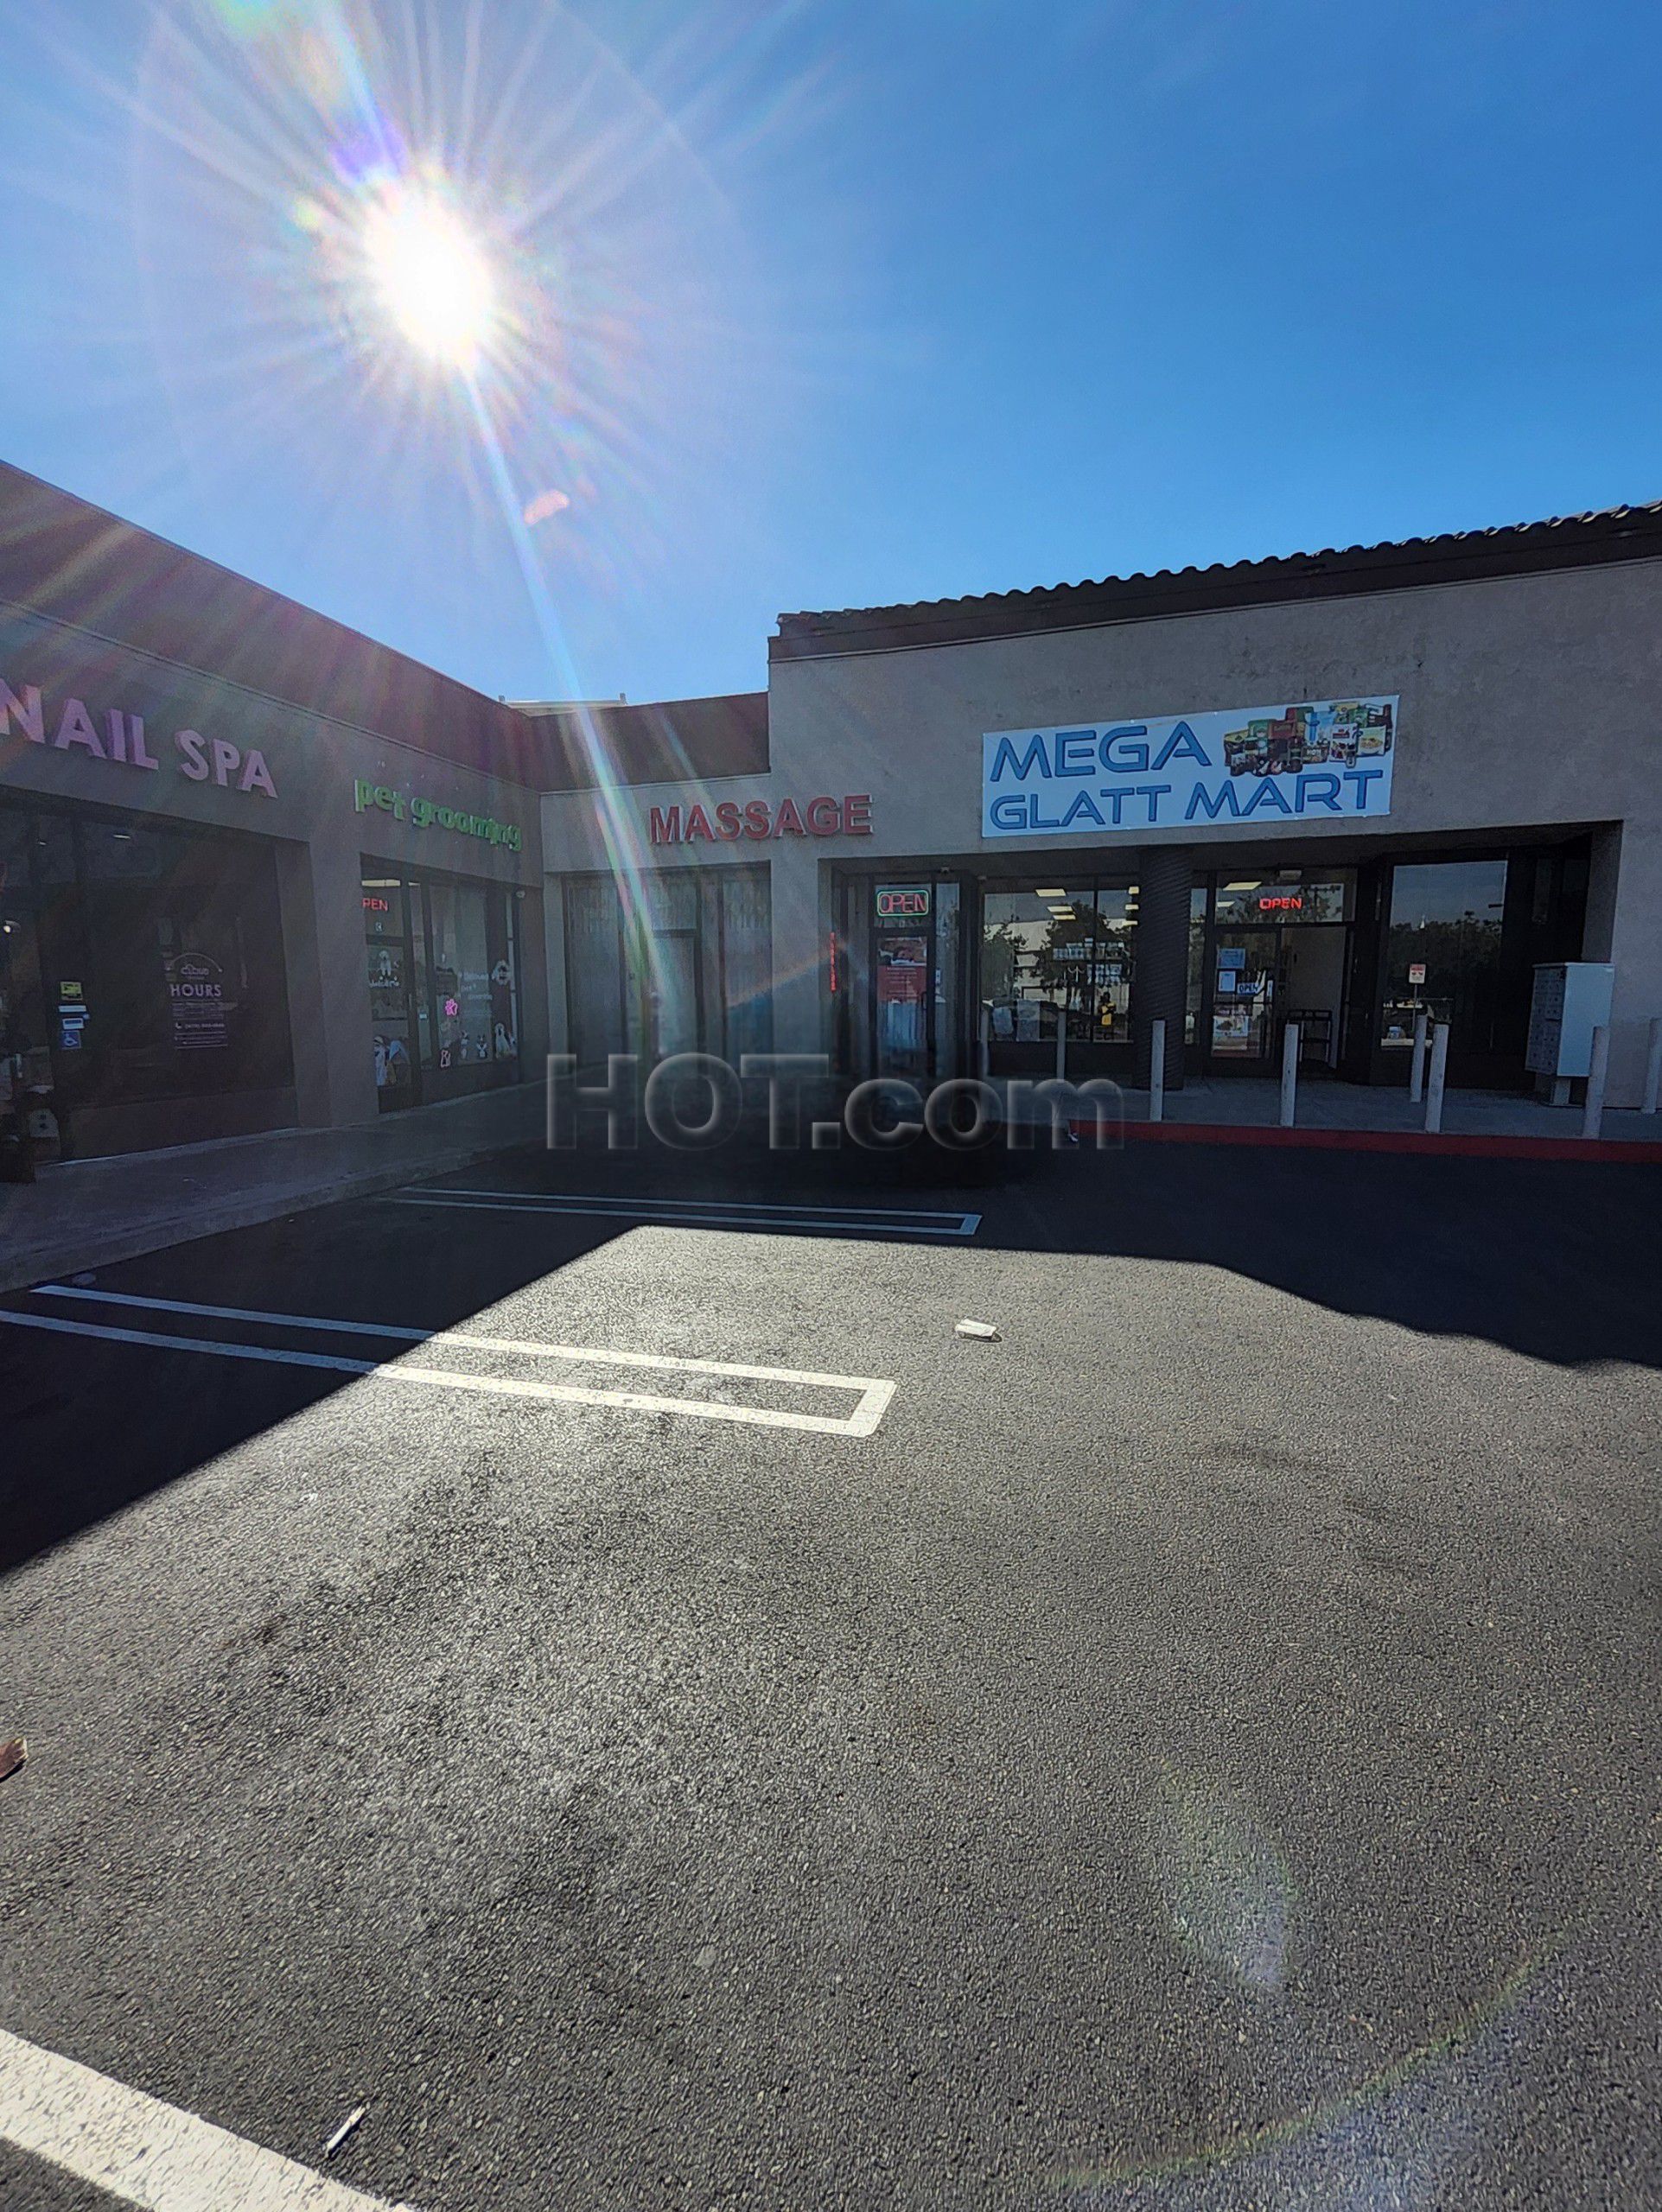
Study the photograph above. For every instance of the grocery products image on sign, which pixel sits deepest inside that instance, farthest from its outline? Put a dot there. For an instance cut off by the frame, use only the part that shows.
(1306, 737)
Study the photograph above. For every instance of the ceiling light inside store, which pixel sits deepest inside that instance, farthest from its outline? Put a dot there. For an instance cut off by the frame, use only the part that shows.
(1253, 886)
(1050, 894)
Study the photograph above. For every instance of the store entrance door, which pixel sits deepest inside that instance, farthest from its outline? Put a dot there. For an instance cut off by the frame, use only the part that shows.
(1246, 996)
(898, 967)
(1265, 951)
(903, 961)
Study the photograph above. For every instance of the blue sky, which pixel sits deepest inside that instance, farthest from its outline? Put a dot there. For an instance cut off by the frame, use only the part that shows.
(835, 304)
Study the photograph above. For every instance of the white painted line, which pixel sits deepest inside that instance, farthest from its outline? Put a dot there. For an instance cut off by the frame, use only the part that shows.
(148, 2154)
(683, 1363)
(699, 1206)
(874, 1394)
(690, 1214)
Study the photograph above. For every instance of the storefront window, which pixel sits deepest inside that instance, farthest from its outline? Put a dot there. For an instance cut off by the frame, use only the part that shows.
(1442, 952)
(682, 964)
(386, 935)
(1058, 957)
(747, 959)
(140, 965)
(444, 985)
(594, 968)
(461, 979)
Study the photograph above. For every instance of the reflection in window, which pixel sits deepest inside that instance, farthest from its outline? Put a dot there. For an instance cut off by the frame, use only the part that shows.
(461, 973)
(1445, 917)
(444, 985)
(682, 961)
(1059, 958)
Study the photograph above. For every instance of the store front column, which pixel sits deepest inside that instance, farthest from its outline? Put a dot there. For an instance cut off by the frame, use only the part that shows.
(1624, 925)
(342, 1053)
(1160, 983)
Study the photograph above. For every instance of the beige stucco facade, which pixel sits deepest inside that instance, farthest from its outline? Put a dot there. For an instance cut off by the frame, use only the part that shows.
(1528, 704)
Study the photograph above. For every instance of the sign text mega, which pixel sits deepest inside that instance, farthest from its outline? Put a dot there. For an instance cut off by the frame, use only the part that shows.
(1317, 758)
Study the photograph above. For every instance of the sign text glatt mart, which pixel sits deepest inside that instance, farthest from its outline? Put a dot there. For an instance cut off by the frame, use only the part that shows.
(1314, 759)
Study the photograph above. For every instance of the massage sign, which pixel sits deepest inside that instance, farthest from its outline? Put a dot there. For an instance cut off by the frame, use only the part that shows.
(729, 820)
(111, 735)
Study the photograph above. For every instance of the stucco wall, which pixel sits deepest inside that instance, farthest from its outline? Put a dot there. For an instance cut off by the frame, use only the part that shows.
(1527, 703)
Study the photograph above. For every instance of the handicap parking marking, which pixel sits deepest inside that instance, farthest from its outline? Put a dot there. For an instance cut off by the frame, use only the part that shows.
(702, 1213)
(873, 1393)
(147, 2154)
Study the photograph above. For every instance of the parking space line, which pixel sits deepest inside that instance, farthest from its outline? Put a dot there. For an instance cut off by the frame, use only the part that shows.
(153, 2155)
(874, 1393)
(683, 1363)
(697, 1213)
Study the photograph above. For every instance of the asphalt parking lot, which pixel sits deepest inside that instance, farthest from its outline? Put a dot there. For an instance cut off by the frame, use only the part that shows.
(678, 1726)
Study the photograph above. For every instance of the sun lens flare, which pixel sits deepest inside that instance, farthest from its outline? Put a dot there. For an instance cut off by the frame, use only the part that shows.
(432, 276)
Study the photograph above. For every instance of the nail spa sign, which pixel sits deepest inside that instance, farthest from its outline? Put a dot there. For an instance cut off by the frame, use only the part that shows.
(119, 738)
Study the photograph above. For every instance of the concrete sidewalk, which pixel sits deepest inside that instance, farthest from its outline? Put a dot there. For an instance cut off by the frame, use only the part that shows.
(1252, 1102)
(89, 1213)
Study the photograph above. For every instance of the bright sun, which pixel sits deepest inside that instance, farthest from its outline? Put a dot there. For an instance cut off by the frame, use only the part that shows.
(432, 276)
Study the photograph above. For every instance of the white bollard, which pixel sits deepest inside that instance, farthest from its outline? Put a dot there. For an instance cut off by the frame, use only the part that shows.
(1417, 1066)
(1288, 1075)
(1654, 1067)
(1598, 1070)
(1157, 1073)
(1439, 1074)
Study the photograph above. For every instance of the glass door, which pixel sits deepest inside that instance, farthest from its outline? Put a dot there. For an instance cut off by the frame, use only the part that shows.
(1245, 997)
(391, 997)
(903, 992)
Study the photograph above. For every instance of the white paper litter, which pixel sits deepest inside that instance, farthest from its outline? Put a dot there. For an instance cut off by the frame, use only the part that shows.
(344, 2130)
(983, 1329)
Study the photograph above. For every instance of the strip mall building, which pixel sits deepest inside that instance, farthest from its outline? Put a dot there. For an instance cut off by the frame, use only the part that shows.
(257, 872)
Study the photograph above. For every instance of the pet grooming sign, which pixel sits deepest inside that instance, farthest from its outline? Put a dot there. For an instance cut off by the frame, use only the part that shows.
(1314, 760)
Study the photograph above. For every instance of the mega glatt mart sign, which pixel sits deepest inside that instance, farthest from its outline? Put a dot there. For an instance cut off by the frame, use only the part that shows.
(1318, 759)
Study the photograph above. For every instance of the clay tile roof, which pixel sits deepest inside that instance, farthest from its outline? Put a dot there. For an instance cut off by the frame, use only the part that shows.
(1456, 556)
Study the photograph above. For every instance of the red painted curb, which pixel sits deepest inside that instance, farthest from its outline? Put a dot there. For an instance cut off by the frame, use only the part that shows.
(1638, 1151)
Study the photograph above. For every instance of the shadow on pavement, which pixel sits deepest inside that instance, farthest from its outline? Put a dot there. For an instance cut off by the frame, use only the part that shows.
(1556, 1262)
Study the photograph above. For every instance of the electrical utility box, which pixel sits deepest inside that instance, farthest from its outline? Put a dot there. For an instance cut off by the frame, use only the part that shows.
(1571, 999)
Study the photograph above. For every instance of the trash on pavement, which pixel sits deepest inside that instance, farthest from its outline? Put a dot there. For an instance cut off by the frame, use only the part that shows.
(983, 1329)
(344, 2130)
(12, 1755)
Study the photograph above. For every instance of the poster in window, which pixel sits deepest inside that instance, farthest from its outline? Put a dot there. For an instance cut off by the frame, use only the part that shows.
(197, 1003)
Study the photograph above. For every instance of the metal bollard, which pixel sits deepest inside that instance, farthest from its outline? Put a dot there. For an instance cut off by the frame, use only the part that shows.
(1288, 1075)
(1157, 1073)
(1598, 1070)
(1416, 1065)
(1439, 1073)
(1654, 1067)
